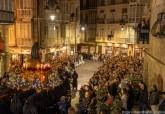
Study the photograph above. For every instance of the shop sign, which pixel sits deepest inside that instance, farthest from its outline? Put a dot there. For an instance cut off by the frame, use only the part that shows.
(84, 49)
(92, 50)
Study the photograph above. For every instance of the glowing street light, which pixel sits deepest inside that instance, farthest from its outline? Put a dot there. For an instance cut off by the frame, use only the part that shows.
(54, 28)
(83, 28)
(122, 28)
(52, 17)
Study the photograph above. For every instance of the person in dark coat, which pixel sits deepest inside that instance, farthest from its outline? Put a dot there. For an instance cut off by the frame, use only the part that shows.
(162, 104)
(130, 98)
(29, 106)
(82, 109)
(113, 89)
(63, 105)
(16, 104)
(154, 99)
(143, 97)
(92, 106)
(4, 109)
(75, 77)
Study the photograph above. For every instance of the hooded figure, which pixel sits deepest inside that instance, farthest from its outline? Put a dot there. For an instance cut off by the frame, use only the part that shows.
(16, 105)
(29, 106)
(63, 105)
(154, 99)
(74, 76)
(35, 51)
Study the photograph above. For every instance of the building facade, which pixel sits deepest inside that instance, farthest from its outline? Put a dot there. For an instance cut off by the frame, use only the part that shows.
(44, 21)
(6, 20)
(154, 65)
(63, 31)
(115, 24)
(88, 14)
(20, 40)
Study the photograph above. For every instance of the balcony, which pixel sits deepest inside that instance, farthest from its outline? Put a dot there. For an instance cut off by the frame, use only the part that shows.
(135, 19)
(24, 42)
(112, 21)
(6, 17)
(113, 2)
(101, 4)
(24, 13)
(101, 20)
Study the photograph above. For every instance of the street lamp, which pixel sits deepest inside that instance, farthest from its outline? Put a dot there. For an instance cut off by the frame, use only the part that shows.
(54, 28)
(82, 28)
(52, 17)
(122, 23)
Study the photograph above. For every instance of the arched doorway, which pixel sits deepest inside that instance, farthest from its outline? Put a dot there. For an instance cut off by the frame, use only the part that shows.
(160, 82)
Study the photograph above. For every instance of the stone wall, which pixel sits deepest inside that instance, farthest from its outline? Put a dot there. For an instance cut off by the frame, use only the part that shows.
(154, 65)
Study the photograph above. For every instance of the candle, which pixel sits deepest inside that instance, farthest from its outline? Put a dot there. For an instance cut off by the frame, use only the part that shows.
(38, 66)
(41, 66)
(24, 65)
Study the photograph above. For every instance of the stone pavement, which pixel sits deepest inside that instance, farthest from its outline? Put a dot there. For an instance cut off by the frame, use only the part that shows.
(85, 72)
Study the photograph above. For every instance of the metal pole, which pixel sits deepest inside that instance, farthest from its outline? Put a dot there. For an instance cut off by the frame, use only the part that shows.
(38, 36)
(75, 38)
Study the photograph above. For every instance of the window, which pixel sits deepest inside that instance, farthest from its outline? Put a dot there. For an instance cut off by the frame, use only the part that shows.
(101, 32)
(124, 10)
(53, 31)
(6, 5)
(132, 0)
(110, 35)
(112, 16)
(23, 33)
(112, 2)
(112, 10)
(101, 11)
(84, 3)
(125, 1)
(24, 30)
(24, 4)
(102, 2)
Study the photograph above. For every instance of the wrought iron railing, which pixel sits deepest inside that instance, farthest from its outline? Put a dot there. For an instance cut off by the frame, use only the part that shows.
(6, 16)
(24, 13)
(24, 42)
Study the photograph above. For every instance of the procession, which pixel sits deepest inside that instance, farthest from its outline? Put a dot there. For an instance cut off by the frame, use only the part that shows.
(82, 57)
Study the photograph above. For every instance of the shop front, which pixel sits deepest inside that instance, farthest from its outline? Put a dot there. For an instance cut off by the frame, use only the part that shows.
(116, 49)
(109, 50)
(87, 48)
(1, 57)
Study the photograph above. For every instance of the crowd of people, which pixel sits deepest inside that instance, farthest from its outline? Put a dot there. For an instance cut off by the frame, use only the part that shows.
(19, 95)
(117, 87)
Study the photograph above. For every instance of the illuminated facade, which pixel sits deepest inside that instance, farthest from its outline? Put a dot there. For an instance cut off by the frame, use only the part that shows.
(88, 15)
(21, 39)
(34, 22)
(154, 56)
(114, 23)
(64, 28)
(6, 20)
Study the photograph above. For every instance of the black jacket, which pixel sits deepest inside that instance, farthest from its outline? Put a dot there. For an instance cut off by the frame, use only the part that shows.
(154, 98)
(143, 96)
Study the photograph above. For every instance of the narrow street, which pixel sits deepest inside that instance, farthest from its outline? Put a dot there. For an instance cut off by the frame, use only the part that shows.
(85, 72)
